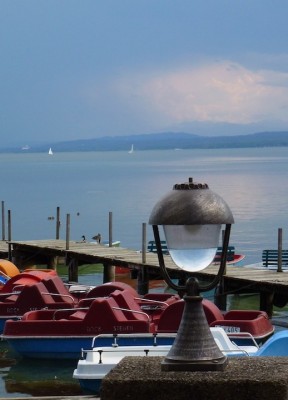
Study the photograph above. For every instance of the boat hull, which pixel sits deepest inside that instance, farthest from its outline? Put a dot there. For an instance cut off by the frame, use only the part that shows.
(4, 319)
(90, 386)
(90, 378)
(70, 347)
(51, 347)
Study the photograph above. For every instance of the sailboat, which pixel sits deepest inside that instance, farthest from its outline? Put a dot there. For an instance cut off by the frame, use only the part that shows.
(50, 152)
(131, 150)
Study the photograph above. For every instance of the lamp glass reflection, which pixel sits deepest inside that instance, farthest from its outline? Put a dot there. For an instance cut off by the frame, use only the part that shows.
(192, 247)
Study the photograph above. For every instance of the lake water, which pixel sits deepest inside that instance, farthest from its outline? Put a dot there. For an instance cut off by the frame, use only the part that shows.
(90, 185)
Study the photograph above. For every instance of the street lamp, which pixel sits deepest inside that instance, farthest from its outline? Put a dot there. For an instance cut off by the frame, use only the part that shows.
(192, 216)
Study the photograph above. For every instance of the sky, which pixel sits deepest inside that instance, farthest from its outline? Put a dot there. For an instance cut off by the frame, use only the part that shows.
(81, 69)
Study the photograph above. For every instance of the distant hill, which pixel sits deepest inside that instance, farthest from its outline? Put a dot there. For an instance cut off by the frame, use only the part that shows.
(163, 141)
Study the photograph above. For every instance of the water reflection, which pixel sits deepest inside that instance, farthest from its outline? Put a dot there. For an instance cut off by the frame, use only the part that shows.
(28, 377)
(42, 378)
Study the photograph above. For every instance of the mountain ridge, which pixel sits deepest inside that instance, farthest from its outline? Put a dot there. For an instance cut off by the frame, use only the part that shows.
(161, 141)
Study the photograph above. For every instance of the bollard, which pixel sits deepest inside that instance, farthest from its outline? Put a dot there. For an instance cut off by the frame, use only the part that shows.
(110, 228)
(144, 243)
(58, 223)
(280, 239)
(67, 231)
(3, 221)
(9, 236)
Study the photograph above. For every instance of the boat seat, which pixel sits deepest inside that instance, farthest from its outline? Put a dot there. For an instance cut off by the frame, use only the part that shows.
(33, 297)
(86, 302)
(104, 291)
(29, 294)
(256, 323)
(42, 273)
(39, 315)
(107, 288)
(30, 316)
(54, 284)
(155, 303)
(106, 315)
(78, 315)
(10, 298)
(212, 312)
(170, 318)
(20, 281)
(162, 301)
(126, 300)
(161, 296)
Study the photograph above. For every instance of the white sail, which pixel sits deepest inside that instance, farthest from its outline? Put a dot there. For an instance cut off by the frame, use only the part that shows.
(131, 150)
(50, 152)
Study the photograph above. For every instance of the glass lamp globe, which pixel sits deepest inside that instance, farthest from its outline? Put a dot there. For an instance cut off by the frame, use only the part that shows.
(192, 247)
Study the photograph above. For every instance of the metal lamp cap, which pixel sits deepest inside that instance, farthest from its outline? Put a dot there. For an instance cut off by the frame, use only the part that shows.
(191, 203)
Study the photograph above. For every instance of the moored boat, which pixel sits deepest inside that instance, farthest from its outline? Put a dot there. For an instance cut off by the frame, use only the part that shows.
(95, 363)
(43, 289)
(232, 257)
(7, 271)
(62, 333)
(253, 323)
(31, 290)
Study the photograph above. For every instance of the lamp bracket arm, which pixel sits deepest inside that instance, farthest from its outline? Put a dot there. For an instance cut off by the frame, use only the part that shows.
(162, 263)
(222, 267)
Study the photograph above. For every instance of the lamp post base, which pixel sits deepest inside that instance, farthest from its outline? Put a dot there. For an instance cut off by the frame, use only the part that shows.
(211, 365)
(194, 348)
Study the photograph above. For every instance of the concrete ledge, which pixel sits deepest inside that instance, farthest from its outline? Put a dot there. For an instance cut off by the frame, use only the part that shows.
(141, 378)
(82, 397)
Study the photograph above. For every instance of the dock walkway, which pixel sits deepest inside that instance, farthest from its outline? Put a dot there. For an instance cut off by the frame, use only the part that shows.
(4, 249)
(272, 285)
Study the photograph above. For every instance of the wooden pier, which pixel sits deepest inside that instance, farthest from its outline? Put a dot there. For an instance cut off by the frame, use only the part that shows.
(272, 285)
(4, 249)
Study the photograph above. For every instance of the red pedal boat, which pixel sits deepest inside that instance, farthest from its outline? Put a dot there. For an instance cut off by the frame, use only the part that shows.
(62, 333)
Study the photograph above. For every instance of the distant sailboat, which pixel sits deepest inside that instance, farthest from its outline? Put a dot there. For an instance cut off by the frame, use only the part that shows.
(50, 152)
(131, 150)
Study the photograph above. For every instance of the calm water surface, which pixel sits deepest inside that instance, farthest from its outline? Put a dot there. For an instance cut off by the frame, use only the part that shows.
(90, 185)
